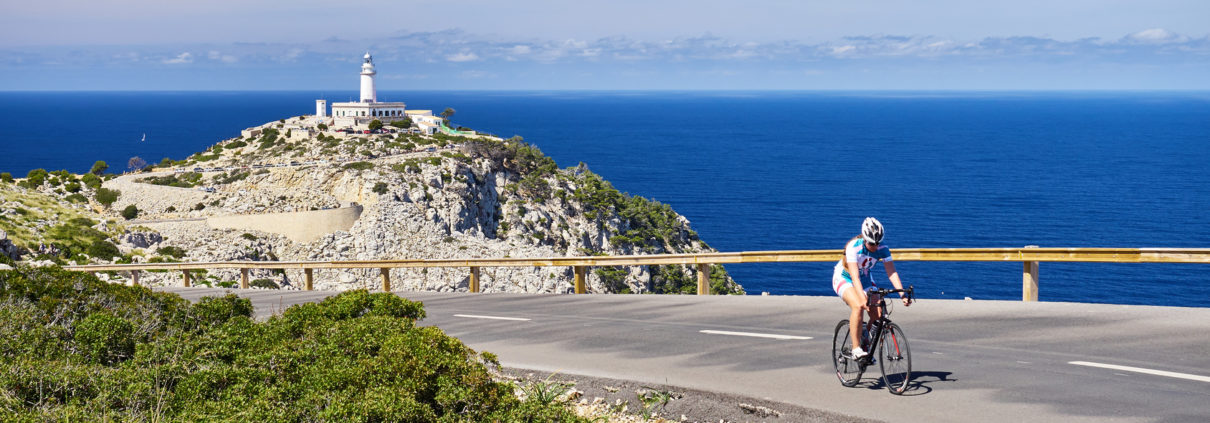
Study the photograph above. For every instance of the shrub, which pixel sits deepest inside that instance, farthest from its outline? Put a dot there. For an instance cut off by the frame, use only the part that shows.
(35, 178)
(99, 352)
(72, 187)
(130, 212)
(237, 144)
(6, 177)
(322, 127)
(107, 196)
(380, 188)
(91, 180)
(99, 167)
(248, 236)
(406, 122)
(375, 125)
(358, 166)
(263, 283)
(171, 251)
(199, 206)
(103, 249)
(104, 338)
(77, 198)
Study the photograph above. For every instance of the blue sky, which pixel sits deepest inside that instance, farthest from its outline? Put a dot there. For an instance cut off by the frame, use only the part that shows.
(621, 44)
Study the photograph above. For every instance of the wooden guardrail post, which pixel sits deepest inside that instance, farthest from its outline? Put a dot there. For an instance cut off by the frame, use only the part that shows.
(134, 277)
(580, 271)
(386, 279)
(703, 279)
(308, 272)
(243, 278)
(188, 281)
(474, 285)
(1029, 280)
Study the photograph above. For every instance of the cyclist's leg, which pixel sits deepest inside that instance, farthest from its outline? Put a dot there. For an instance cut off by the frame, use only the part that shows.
(849, 294)
(874, 311)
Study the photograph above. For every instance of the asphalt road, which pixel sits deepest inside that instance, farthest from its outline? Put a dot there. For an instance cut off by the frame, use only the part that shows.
(991, 361)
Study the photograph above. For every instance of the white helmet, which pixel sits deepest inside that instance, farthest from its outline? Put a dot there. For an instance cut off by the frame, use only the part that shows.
(871, 230)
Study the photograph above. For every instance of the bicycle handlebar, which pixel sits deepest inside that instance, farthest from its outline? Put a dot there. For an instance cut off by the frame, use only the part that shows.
(909, 293)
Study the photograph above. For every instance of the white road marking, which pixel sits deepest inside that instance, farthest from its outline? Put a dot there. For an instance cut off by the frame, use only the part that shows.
(1142, 370)
(473, 316)
(755, 335)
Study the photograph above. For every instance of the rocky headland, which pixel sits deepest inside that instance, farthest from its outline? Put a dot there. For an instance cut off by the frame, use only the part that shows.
(395, 195)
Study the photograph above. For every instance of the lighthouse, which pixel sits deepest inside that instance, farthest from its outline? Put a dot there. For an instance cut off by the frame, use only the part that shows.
(368, 94)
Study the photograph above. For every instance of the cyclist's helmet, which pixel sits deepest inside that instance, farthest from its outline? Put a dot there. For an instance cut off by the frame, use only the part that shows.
(871, 230)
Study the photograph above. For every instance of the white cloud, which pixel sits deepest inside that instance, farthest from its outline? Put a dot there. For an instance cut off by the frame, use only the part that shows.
(1156, 36)
(462, 57)
(217, 56)
(180, 59)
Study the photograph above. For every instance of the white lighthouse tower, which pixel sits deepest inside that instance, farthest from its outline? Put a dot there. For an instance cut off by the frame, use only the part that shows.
(368, 95)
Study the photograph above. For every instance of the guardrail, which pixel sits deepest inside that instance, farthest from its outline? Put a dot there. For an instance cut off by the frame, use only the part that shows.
(1030, 256)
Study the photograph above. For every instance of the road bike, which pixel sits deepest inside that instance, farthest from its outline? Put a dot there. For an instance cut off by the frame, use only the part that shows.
(885, 343)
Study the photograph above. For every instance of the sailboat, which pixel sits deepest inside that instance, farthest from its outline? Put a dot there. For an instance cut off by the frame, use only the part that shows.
(144, 137)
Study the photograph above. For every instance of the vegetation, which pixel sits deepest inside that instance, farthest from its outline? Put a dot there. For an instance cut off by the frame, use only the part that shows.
(107, 196)
(99, 167)
(358, 166)
(322, 127)
(136, 164)
(35, 178)
(6, 177)
(406, 122)
(130, 212)
(90, 180)
(182, 180)
(375, 125)
(78, 349)
(380, 188)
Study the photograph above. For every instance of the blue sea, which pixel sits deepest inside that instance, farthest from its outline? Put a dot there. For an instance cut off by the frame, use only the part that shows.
(787, 170)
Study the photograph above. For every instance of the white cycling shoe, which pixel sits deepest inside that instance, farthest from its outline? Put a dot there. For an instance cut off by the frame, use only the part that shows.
(859, 353)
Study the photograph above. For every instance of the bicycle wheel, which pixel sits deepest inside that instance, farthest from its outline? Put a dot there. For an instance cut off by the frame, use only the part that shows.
(847, 370)
(895, 359)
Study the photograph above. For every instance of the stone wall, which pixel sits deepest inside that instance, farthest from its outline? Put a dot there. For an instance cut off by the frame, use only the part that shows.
(304, 226)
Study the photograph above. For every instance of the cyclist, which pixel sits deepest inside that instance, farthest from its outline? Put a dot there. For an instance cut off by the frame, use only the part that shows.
(860, 254)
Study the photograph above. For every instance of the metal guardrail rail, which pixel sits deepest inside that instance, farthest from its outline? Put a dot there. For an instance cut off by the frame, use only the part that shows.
(1030, 256)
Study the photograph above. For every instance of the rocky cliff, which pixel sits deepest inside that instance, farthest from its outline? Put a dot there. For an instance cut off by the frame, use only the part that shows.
(421, 197)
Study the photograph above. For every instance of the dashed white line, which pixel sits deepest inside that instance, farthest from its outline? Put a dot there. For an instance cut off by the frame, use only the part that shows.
(754, 335)
(474, 316)
(1198, 378)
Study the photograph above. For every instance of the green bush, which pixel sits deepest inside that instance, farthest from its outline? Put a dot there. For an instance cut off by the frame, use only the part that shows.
(358, 166)
(380, 188)
(6, 177)
(91, 180)
(105, 339)
(99, 167)
(103, 249)
(78, 349)
(72, 187)
(130, 212)
(237, 144)
(263, 283)
(77, 198)
(107, 196)
(35, 178)
(171, 251)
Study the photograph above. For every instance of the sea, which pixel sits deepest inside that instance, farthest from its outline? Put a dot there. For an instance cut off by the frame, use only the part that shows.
(777, 170)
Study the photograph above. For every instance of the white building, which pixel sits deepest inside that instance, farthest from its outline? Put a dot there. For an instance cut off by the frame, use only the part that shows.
(367, 109)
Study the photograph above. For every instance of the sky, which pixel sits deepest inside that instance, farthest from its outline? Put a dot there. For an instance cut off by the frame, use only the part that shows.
(607, 45)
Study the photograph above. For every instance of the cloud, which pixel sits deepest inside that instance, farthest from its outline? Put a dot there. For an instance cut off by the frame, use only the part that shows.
(219, 57)
(180, 59)
(462, 57)
(1155, 36)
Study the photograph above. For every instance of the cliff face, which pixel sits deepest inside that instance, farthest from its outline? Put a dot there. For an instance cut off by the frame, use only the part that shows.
(421, 197)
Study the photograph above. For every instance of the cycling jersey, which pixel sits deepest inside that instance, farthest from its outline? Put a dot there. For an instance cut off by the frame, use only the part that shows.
(856, 252)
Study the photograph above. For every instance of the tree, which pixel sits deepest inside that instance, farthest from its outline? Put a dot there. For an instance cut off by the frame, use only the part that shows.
(6, 177)
(36, 177)
(406, 122)
(91, 180)
(375, 125)
(136, 163)
(322, 127)
(130, 212)
(107, 196)
(380, 188)
(447, 113)
(99, 167)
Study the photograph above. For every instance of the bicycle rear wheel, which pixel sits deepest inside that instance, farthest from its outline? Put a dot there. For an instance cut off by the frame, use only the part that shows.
(895, 359)
(847, 370)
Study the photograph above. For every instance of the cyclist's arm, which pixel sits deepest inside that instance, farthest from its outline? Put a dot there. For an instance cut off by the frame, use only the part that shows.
(855, 274)
(894, 277)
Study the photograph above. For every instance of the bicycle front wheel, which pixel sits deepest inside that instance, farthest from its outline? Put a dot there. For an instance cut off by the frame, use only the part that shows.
(848, 370)
(895, 359)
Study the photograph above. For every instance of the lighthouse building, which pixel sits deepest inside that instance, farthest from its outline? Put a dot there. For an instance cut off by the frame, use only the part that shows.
(368, 108)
